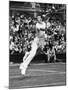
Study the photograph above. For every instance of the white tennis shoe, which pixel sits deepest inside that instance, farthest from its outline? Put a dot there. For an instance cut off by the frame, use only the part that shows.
(23, 69)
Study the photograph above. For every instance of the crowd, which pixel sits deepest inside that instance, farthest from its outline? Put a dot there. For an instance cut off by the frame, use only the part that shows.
(22, 30)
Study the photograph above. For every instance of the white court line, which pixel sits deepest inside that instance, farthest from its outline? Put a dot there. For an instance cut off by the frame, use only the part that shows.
(12, 77)
(38, 64)
(46, 71)
(43, 85)
(48, 63)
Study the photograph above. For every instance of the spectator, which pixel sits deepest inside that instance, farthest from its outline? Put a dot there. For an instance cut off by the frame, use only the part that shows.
(23, 31)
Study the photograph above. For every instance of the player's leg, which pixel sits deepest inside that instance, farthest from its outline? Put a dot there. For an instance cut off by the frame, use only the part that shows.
(29, 58)
(25, 56)
(27, 61)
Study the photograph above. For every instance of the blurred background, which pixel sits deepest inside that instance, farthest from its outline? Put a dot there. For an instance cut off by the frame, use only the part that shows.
(22, 29)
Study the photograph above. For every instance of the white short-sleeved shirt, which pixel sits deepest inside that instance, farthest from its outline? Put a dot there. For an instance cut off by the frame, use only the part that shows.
(41, 25)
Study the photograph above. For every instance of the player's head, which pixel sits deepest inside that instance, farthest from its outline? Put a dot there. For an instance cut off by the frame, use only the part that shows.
(39, 18)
